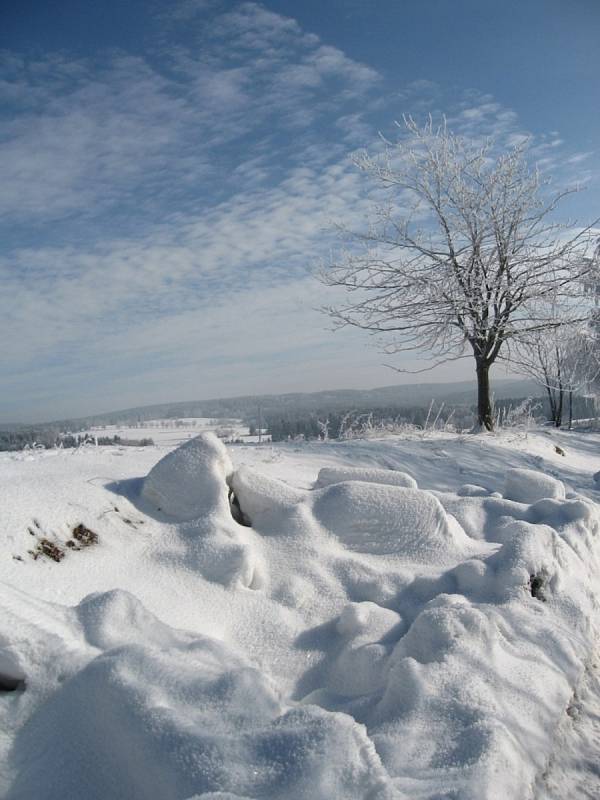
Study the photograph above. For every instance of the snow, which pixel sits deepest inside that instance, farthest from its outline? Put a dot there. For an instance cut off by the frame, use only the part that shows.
(527, 486)
(191, 481)
(358, 619)
(390, 520)
(406, 618)
(572, 771)
(263, 497)
(162, 713)
(173, 432)
(329, 475)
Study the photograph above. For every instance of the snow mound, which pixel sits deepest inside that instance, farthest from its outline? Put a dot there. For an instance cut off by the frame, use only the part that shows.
(359, 668)
(459, 695)
(330, 475)
(191, 484)
(260, 496)
(117, 618)
(192, 480)
(528, 486)
(224, 552)
(390, 520)
(358, 619)
(365, 517)
(182, 716)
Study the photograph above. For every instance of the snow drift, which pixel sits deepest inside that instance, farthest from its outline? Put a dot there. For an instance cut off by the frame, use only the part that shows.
(160, 713)
(375, 641)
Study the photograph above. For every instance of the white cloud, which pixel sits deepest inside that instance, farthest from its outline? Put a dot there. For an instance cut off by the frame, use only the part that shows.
(192, 161)
(86, 138)
(162, 214)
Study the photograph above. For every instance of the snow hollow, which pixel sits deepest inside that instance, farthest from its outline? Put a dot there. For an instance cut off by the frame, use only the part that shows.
(365, 620)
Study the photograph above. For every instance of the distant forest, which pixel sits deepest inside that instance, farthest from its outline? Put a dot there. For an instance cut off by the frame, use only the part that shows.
(243, 407)
(284, 421)
(345, 424)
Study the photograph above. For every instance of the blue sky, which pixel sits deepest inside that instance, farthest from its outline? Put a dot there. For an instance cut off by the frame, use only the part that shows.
(170, 173)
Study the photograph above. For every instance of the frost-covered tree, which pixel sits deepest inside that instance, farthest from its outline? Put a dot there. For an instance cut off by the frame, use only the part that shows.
(461, 246)
(563, 360)
(582, 365)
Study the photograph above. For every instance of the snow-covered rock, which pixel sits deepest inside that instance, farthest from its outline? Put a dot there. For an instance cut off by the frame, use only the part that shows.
(260, 496)
(192, 480)
(329, 475)
(390, 520)
(529, 485)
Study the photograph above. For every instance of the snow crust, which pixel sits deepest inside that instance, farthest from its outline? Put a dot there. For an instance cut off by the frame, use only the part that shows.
(364, 639)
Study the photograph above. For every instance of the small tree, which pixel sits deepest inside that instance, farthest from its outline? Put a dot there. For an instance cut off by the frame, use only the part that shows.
(563, 361)
(582, 365)
(323, 425)
(458, 253)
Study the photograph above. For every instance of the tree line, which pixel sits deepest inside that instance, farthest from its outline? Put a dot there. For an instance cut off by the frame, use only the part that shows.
(351, 422)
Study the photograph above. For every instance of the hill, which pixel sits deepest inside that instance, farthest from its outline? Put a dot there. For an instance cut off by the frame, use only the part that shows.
(245, 406)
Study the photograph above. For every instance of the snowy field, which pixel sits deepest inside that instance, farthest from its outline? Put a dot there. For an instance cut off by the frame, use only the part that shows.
(397, 618)
(172, 432)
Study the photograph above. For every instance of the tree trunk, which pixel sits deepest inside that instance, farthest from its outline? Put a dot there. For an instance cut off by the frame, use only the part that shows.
(561, 392)
(570, 409)
(552, 404)
(485, 417)
(559, 410)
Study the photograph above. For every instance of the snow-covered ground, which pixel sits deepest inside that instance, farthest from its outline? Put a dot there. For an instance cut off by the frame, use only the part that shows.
(419, 620)
(172, 432)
